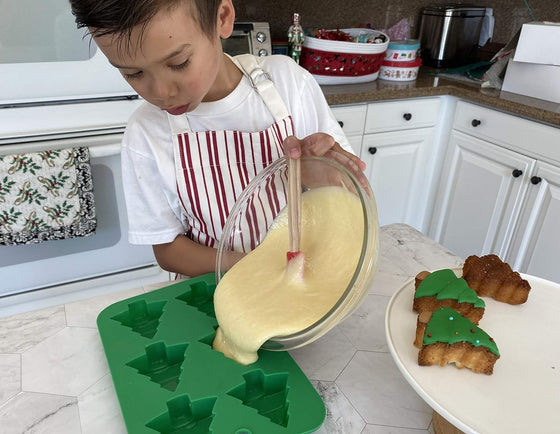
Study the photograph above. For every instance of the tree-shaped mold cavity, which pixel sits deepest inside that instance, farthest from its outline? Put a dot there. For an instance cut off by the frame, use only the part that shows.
(185, 416)
(201, 296)
(161, 363)
(265, 393)
(209, 338)
(142, 317)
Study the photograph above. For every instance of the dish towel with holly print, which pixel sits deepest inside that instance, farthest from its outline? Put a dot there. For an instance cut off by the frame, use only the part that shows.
(46, 195)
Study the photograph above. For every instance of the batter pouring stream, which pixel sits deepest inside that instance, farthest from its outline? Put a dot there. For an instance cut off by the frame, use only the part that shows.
(260, 298)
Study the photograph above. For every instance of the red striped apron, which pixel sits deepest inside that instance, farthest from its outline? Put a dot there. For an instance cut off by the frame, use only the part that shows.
(214, 167)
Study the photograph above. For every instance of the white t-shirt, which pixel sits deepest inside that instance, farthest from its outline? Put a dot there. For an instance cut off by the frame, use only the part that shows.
(155, 215)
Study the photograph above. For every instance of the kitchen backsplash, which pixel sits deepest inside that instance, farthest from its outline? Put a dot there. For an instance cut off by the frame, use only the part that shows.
(509, 14)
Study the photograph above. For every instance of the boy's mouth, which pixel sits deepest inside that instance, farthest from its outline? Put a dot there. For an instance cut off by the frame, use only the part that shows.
(178, 110)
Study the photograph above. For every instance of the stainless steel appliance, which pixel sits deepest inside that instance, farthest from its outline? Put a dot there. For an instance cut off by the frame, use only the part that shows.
(57, 90)
(449, 34)
(249, 37)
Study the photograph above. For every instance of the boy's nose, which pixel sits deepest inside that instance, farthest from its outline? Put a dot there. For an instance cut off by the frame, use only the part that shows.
(163, 89)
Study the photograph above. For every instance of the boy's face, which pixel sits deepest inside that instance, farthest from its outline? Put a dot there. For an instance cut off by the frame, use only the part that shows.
(174, 65)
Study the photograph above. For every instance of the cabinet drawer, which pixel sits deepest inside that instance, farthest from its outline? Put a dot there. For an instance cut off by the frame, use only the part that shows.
(527, 137)
(351, 118)
(402, 114)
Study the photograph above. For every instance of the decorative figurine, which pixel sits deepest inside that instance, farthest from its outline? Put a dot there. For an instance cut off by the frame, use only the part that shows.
(295, 38)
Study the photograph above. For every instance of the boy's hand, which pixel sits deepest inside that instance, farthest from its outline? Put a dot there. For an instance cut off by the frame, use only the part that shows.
(324, 145)
(317, 145)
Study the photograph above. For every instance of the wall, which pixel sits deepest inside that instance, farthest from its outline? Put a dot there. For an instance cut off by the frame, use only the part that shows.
(509, 14)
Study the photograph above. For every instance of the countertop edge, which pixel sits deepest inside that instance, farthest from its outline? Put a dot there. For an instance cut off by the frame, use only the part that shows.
(493, 98)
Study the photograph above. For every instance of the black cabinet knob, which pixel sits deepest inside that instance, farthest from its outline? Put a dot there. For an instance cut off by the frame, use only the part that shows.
(535, 180)
(407, 116)
(517, 173)
(341, 124)
(372, 150)
(475, 123)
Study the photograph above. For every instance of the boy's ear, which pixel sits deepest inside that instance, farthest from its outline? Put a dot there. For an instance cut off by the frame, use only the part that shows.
(226, 18)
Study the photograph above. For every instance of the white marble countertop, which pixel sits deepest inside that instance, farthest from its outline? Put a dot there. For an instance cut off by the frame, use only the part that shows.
(54, 377)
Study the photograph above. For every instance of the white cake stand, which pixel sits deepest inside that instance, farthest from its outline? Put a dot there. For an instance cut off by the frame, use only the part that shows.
(523, 393)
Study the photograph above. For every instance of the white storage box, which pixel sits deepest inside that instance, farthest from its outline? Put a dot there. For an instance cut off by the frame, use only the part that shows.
(535, 68)
(539, 42)
(534, 80)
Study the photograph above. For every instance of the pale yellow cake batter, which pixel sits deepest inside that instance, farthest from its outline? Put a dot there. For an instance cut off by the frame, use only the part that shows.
(260, 297)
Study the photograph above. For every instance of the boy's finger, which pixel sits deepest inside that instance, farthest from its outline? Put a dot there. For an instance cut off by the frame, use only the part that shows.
(318, 144)
(292, 147)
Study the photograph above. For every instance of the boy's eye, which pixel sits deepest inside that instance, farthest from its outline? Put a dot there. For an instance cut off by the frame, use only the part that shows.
(180, 66)
(132, 75)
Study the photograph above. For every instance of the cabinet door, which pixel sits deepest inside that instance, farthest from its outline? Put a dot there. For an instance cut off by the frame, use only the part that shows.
(352, 118)
(480, 196)
(356, 143)
(397, 167)
(536, 245)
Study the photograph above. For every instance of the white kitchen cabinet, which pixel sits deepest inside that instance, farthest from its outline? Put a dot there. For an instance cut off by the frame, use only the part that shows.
(352, 119)
(535, 248)
(398, 149)
(500, 190)
(404, 114)
(480, 197)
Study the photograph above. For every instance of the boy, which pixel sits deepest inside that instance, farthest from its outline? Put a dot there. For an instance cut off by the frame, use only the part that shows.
(210, 122)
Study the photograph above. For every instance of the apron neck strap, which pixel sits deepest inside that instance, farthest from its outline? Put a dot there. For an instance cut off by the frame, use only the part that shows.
(262, 83)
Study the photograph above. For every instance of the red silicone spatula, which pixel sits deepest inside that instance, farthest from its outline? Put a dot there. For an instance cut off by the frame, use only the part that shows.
(296, 258)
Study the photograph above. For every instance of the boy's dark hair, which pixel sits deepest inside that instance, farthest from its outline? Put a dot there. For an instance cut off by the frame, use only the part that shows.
(119, 17)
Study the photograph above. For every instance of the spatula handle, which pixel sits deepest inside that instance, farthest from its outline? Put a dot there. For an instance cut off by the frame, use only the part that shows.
(294, 203)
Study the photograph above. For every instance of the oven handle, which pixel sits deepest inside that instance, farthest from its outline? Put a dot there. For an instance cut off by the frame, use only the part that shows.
(104, 150)
(102, 146)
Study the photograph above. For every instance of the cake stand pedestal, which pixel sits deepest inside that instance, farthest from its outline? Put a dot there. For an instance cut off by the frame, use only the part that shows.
(441, 426)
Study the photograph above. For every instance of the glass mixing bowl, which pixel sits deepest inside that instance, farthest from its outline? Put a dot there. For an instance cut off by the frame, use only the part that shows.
(266, 194)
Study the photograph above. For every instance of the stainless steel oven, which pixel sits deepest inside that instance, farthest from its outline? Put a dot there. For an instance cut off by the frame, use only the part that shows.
(57, 90)
(249, 37)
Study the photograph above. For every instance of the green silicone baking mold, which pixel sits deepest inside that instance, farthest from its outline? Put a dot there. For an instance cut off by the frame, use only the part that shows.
(168, 378)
